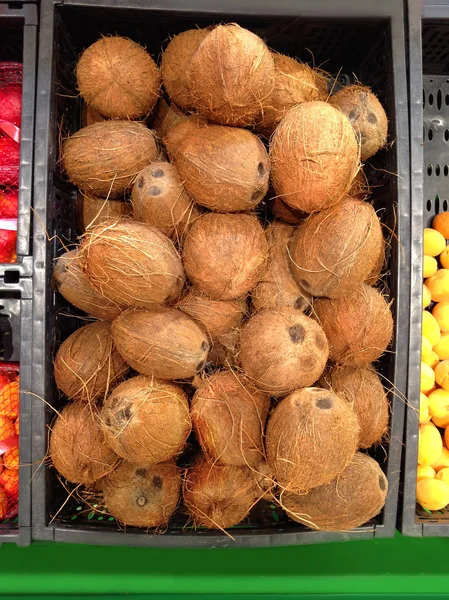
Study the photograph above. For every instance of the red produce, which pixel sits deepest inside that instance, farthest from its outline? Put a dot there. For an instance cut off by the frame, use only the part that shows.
(9, 204)
(7, 245)
(9, 161)
(11, 104)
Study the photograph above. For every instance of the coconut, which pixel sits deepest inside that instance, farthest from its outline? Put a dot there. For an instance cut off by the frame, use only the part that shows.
(278, 287)
(359, 326)
(376, 272)
(132, 264)
(335, 250)
(162, 343)
(223, 168)
(104, 159)
(366, 115)
(146, 421)
(90, 116)
(282, 350)
(175, 65)
(314, 156)
(218, 497)
(143, 496)
(228, 415)
(93, 211)
(224, 351)
(215, 316)
(225, 255)
(350, 500)
(118, 78)
(284, 212)
(72, 283)
(78, 449)
(359, 186)
(294, 82)
(312, 435)
(159, 199)
(362, 389)
(323, 83)
(167, 117)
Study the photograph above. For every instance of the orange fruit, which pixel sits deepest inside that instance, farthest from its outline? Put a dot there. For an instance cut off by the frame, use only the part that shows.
(434, 242)
(438, 285)
(441, 224)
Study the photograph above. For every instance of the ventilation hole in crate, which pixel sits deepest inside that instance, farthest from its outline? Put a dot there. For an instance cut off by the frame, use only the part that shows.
(439, 100)
(446, 135)
(445, 205)
(12, 276)
(429, 170)
(446, 100)
(446, 170)
(430, 135)
(424, 98)
(430, 99)
(437, 204)
(429, 205)
(437, 170)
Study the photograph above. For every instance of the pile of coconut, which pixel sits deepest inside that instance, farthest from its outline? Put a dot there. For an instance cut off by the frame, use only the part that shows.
(242, 341)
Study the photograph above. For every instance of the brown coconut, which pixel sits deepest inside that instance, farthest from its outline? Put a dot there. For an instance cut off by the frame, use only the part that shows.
(366, 115)
(224, 351)
(78, 450)
(314, 156)
(376, 272)
(335, 250)
(282, 211)
(72, 283)
(87, 364)
(223, 168)
(132, 263)
(359, 186)
(159, 199)
(278, 287)
(163, 343)
(323, 83)
(225, 255)
(118, 78)
(143, 496)
(348, 501)
(312, 435)
(215, 316)
(146, 421)
(362, 389)
(218, 497)
(93, 211)
(294, 82)
(282, 350)
(167, 117)
(104, 159)
(358, 327)
(229, 415)
(90, 116)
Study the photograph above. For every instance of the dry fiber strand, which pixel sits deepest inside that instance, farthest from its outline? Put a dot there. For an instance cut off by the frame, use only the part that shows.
(93, 211)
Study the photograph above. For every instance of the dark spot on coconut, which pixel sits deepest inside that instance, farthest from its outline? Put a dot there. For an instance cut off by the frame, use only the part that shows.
(303, 283)
(257, 194)
(157, 173)
(363, 97)
(200, 366)
(140, 182)
(372, 118)
(260, 169)
(154, 190)
(141, 501)
(319, 342)
(354, 115)
(157, 482)
(141, 472)
(204, 346)
(381, 483)
(124, 414)
(324, 403)
(296, 333)
(83, 467)
(300, 302)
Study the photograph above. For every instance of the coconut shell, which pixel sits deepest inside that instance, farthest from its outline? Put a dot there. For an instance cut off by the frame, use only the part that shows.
(228, 415)
(118, 78)
(314, 157)
(132, 264)
(225, 255)
(87, 365)
(282, 350)
(218, 497)
(72, 283)
(359, 326)
(93, 211)
(224, 351)
(335, 250)
(282, 211)
(312, 435)
(223, 168)
(159, 199)
(143, 496)
(362, 389)
(278, 287)
(78, 450)
(366, 115)
(104, 159)
(347, 502)
(167, 117)
(163, 343)
(146, 421)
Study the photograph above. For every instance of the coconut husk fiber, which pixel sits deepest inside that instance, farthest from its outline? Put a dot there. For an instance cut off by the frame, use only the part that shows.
(159, 199)
(362, 389)
(167, 117)
(118, 78)
(376, 272)
(229, 415)
(225, 169)
(218, 497)
(349, 501)
(335, 250)
(163, 343)
(358, 327)
(225, 255)
(366, 115)
(143, 496)
(312, 435)
(104, 159)
(230, 75)
(93, 211)
(78, 450)
(132, 264)
(282, 350)
(360, 187)
(89, 116)
(224, 351)
(323, 83)
(72, 283)
(87, 364)
(314, 156)
(278, 287)
(283, 212)
(146, 421)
